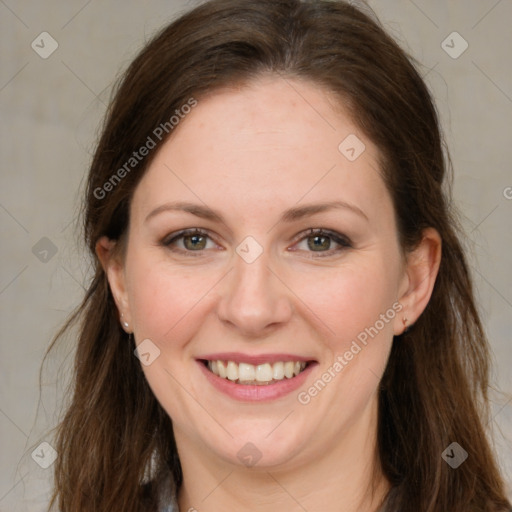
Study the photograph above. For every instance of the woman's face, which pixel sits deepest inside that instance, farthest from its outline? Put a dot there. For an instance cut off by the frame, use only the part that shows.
(257, 290)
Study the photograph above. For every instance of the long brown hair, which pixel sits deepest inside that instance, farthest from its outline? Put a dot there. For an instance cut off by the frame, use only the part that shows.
(115, 436)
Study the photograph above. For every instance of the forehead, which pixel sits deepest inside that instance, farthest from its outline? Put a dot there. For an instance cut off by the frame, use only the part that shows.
(275, 142)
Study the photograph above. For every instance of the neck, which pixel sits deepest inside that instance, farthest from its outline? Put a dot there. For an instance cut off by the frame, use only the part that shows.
(343, 478)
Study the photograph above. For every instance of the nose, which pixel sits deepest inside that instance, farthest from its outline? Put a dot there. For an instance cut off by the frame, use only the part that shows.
(254, 298)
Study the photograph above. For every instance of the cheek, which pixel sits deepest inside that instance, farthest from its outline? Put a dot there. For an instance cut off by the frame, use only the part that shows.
(356, 304)
(167, 305)
(350, 299)
(166, 301)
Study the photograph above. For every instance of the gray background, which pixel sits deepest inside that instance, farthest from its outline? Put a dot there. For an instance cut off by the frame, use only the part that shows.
(51, 109)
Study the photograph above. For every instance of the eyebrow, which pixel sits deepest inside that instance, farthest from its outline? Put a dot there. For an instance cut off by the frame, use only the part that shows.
(288, 216)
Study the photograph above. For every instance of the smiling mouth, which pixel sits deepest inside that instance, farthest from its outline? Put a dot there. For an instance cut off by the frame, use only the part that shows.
(255, 375)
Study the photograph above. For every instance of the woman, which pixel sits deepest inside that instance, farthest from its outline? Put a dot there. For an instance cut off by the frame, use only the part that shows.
(281, 314)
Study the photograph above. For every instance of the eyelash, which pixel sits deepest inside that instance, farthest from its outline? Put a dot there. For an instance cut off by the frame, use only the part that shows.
(341, 240)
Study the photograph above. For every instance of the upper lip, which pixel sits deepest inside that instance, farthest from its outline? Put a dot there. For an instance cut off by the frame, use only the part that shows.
(255, 359)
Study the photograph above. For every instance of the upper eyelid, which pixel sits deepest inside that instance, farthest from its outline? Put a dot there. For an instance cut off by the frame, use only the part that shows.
(321, 232)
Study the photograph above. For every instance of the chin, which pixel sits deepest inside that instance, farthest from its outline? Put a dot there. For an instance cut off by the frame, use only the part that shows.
(260, 446)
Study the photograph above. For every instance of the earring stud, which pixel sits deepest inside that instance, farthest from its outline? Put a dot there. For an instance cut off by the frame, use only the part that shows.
(124, 322)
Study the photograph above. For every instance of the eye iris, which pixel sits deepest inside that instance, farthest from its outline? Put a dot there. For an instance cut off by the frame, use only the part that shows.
(316, 244)
(195, 238)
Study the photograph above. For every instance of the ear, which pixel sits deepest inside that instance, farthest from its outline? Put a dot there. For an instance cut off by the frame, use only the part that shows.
(421, 269)
(114, 270)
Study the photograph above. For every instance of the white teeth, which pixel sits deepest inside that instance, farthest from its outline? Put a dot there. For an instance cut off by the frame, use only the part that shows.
(221, 370)
(278, 373)
(232, 371)
(288, 369)
(264, 373)
(246, 371)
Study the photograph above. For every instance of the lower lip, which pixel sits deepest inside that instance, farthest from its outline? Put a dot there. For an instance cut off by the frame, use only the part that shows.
(251, 393)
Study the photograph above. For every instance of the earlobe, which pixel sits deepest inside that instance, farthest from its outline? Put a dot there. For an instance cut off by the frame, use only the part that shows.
(114, 271)
(421, 270)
